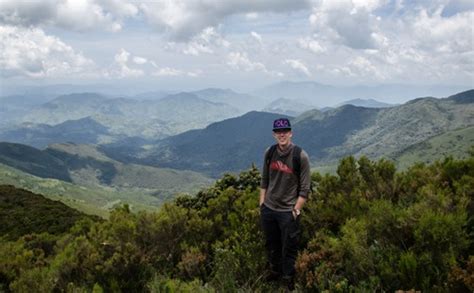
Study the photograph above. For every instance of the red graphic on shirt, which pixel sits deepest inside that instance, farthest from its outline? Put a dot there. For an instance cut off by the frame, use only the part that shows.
(279, 166)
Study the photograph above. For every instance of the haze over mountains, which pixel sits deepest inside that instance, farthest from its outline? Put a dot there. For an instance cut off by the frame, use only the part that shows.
(161, 143)
(233, 144)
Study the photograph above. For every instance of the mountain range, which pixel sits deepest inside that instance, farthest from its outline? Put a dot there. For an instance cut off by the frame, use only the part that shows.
(322, 95)
(93, 151)
(236, 143)
(367, 103)
(98, 119)
(86, 165)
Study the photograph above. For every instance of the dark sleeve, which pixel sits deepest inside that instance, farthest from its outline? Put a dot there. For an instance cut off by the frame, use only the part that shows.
(264, 180)
(305, 175)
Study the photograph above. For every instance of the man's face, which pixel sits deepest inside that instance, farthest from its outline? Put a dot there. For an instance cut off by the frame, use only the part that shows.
(283, 136)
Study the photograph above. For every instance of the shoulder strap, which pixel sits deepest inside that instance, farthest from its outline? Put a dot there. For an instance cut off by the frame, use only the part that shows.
(269, 155)
(297, 161)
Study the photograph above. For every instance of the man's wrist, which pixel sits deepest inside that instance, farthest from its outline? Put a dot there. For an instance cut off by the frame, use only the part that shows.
(296, 212)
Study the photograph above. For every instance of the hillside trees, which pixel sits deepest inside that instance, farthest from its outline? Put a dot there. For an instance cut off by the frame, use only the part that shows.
(367, 228)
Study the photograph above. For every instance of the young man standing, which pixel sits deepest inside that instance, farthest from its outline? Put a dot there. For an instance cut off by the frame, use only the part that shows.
(284, 189)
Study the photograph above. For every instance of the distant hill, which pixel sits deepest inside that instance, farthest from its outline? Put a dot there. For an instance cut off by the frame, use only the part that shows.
(233, 144)
(367, 103)
(121, 118)
(319, 131)
(94, 200)
(12, 108)
(185, 111)
(399, 127)
(322, 95)
(84, 130)
(456, 143)
(318, 94)
(287, 107)
(154, 95)
(23, 212)
(243, 102)
(33, 161)
(67, 107)
(229, 145)
(86, 165)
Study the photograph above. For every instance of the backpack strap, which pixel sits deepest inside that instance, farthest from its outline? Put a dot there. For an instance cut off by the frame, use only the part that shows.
(269, 155)
(297, 161)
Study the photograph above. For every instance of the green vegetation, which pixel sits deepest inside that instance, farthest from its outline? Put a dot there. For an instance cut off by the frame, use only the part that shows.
(23, 212)
(367, 228)
(97, 200)
(454, 143)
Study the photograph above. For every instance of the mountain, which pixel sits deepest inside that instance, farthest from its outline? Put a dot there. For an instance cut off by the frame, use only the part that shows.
(233, 144)
(85, 130)
(229, 145)
(23, 212)
(153, 95)
(243, 102)
(33, 161)
(86, 165)
(399, 127)
(456, 143)
(318, 131)
(117, 118)
(15, 106)
(94, 200)
(369, 103)
(287, 107)
(185, 111)
(236, 143)
(67, 107)
(321, 95)
(310, 92)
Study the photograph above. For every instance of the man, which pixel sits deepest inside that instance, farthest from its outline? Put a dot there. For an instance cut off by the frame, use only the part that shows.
(284, 189)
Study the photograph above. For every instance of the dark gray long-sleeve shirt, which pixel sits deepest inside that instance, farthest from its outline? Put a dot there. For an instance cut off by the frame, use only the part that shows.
(281, 183)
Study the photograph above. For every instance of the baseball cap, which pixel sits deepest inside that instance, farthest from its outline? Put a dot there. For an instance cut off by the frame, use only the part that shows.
(281, 124)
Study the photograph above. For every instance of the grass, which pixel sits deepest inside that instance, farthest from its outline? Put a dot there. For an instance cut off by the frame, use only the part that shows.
(97, 200)
(456, 143)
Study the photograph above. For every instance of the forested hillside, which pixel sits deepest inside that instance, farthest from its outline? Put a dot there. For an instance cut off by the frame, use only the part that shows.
(234, 144)
(23, 212)
(368, 228)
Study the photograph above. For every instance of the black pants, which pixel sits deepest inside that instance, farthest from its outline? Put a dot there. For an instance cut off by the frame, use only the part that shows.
(281, 240)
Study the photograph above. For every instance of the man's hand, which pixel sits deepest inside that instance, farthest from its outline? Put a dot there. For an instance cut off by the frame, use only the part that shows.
(296, 213)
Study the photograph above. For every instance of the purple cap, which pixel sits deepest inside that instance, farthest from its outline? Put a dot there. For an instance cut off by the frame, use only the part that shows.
(281, 123)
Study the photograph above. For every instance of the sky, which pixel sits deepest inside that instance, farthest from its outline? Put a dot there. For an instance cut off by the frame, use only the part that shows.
(239, 44)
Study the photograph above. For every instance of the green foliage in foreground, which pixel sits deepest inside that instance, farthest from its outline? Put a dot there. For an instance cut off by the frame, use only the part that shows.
(23, 212)
(366, 229)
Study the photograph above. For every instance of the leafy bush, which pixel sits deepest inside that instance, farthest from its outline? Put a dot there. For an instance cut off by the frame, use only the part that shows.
(368, 228)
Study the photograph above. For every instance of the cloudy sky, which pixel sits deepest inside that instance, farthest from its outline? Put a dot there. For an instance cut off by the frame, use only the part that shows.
(236, 43)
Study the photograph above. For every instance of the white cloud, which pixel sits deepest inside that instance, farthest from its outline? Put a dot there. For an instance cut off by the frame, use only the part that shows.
(342, 41)
(347, 22)
(251, 16)
(124, 71)
(68, 14)
(298, 65)
(449, 35)
(311, 45)
(238, 60)
(205, 42)
(139, 60)
(183, 19)
(362, 67)
(30, 52)
(169, 72)
(257, 37)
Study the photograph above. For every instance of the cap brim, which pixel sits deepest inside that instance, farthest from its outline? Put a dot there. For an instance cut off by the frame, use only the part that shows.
(277, 129)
